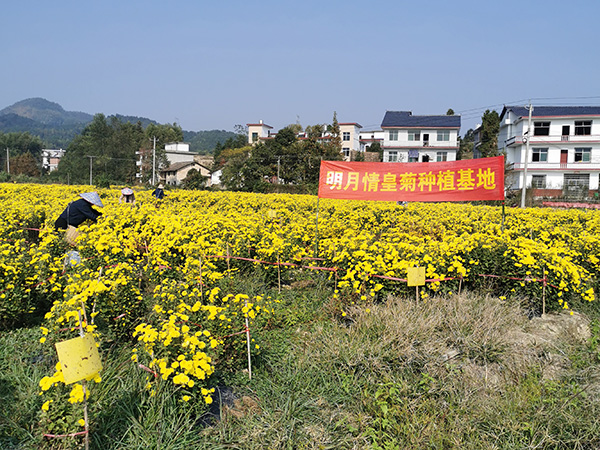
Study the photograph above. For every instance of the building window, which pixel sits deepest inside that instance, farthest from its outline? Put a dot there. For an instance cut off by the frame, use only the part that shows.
(583, 154)
(538, 181)
(541, 128)
(346, 136)
(583, 127)
(392, 156)
(254, 137)
(576, 185)
(393, 135)
(443, 135)
(346, 152)
(414, 135)
(441, 156)
(539, 155)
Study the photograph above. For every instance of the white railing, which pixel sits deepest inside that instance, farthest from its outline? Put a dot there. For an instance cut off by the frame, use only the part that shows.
(536, 165)
(538, 140)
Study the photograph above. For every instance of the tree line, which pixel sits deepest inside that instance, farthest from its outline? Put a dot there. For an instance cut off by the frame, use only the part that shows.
(109, 147)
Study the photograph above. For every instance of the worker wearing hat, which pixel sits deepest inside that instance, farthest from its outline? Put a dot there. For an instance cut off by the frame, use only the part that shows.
(159, 192)
(79, 211)
(127, 196)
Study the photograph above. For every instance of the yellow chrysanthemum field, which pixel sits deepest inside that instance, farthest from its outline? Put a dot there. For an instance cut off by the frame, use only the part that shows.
(156, 273)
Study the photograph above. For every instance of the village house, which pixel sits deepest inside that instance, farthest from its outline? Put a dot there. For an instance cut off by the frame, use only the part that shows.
(564, 149)
(177, 172)
(51, 158)
(412, 138)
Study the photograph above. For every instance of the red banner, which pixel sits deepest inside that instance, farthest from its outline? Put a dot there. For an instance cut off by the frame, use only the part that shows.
(450, 181)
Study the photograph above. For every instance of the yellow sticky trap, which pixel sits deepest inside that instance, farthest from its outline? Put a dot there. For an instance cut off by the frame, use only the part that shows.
(272, 213)
(416, 276)
(79, 358)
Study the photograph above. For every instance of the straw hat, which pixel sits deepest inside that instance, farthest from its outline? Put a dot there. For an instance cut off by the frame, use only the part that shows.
(93, 198)
(126, 191)
(160, 186)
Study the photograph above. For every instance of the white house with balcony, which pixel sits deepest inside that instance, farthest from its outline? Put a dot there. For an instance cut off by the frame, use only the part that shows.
(411, 138)
(564, 149)
(370, 137)
(51, 158)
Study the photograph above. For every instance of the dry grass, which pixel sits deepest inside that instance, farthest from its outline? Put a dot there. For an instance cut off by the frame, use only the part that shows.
(466, 371)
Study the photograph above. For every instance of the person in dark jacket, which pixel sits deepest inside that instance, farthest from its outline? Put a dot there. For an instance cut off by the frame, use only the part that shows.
(79, 211)
(159, 192)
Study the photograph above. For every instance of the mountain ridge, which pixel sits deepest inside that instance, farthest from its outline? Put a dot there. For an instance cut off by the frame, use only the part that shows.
(57, 127)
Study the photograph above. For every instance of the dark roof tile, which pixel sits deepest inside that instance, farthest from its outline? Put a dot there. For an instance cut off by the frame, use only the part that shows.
(548, 111)
(406, 119)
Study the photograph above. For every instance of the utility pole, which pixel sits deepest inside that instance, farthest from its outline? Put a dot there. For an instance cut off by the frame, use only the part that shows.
(524, 186)
(7, 161)
(153, 160)
(278, 166)
(91, 159)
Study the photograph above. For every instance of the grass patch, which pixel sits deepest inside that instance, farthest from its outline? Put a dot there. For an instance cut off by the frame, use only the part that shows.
(465, 371)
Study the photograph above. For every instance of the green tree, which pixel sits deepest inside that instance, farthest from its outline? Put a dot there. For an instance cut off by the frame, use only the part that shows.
(465, 149)
(284, 137)
(315, 131)
(376, 147)
(162, 135)
(295, 127)
(334, 131)
(109, 146)
(24, 164)
(490, 126)
(19, 144)
(450, 112)
(194, 180)
(240, 140)
(89, 145)
(232, 176)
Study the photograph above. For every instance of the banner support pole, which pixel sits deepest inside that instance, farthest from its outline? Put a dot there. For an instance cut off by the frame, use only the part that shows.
(316, 255)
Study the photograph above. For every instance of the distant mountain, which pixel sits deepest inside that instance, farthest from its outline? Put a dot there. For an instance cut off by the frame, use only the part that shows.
(46, 113)
(57, 127)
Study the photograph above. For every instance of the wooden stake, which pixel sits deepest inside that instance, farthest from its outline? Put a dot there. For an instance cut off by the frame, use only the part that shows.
(84, 385)
(248, 341)
(278, 274)
(201, 283)
(544, 291)
(228, 268)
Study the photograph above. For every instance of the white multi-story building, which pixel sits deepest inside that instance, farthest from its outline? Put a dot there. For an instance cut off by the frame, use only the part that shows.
(564, 149)
(403, 137)
(370, 137)
(179, 152)
(51, 158)
(409, 138)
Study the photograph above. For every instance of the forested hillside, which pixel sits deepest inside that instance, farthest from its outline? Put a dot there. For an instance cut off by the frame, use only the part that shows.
(57, 127)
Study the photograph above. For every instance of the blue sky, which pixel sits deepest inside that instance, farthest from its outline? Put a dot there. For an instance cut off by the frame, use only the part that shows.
(211, 65)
